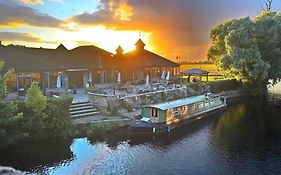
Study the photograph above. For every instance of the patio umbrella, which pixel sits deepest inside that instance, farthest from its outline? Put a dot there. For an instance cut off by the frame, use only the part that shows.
(58, 82)
(90, 78)
(119, 77)
(147, 81)
(163, 75)
(168, 76)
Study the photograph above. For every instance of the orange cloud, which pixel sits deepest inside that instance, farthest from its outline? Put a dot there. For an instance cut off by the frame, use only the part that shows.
(13, 14)
(26, 37)
(123, 12)
(12, 24)
(31, 1)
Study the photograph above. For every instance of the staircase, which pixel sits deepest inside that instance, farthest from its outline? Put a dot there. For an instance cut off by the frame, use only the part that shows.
(82, 109)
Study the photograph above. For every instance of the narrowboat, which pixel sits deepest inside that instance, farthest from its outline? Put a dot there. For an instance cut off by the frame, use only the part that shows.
(164, 117)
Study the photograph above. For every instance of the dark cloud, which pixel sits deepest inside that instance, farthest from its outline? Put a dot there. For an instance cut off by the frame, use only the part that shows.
(15, 36)
(13, 14)
(174, 24)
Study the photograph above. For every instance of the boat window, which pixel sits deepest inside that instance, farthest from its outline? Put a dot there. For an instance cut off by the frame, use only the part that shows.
(207, 103)
(175, 111)
(200, 105)
(154, 112)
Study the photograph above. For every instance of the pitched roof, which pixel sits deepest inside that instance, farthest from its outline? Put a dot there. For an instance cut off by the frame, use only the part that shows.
(61, 47)
(142, 58)
(27, 59)
(40, 59)
(82, 57)
(194, 71)
(92, 57)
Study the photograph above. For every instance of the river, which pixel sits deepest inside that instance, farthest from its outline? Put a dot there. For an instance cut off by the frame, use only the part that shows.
(244, 139)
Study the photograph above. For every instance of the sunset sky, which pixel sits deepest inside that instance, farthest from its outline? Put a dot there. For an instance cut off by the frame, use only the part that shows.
(169, 27)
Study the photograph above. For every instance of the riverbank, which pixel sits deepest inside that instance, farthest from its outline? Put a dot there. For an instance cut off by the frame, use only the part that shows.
(234, 138)
(125, 118)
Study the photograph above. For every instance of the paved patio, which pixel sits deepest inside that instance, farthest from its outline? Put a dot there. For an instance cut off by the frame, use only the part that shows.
(80, 96)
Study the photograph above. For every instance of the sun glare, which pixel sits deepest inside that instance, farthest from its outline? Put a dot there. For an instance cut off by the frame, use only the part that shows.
(104, 38)
(124, 12)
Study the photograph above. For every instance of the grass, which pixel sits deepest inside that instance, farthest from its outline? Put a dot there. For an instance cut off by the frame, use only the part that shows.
(99, 129)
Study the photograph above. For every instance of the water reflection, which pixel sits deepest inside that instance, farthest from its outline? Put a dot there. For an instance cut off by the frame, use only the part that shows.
(34, 156)
(245, 139)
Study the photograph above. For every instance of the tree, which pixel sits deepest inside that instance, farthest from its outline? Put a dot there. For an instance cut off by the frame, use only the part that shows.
(9, 115)
(35, 99)
(268, 38)
(248, 49)
(3, 81)
(35, 116)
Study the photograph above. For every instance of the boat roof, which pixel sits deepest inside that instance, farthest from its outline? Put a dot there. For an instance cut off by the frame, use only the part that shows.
(178, 103)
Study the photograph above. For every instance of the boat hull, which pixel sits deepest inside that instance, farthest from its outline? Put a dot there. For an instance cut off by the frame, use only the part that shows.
(166, 128)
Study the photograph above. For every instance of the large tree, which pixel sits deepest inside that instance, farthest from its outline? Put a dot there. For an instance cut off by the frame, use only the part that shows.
(248, 49)
(9, 116)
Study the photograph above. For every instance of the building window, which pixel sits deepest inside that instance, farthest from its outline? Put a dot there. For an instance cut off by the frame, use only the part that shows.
(37, 78)
(154, 112)
(12, 83)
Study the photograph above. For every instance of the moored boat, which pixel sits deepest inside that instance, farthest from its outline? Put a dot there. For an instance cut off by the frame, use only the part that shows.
(164, 117)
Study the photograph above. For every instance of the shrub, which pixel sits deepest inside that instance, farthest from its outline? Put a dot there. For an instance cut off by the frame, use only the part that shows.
(196, 86)
(112, 109)
(58, 121)
(54, 121)
(224, 85)
(35, 99)
(10, 121)
(99, 129)
(163, 96)
(10, 118)
(129, 107)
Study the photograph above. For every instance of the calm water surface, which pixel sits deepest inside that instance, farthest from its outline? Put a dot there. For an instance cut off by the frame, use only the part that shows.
(245, 139)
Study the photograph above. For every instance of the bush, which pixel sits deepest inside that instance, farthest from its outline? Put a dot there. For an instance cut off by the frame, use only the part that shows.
(163, 96)
(35, 98)
(99, 129)
(10, 123)
(224, 85)
(10, 118)
(196, 86)
(54, 121)
(112, 109)
(58, 121)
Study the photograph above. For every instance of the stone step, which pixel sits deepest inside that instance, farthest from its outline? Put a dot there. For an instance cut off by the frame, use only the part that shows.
(81, 108)
(83, 111)
(80, 104)
(85, 114)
